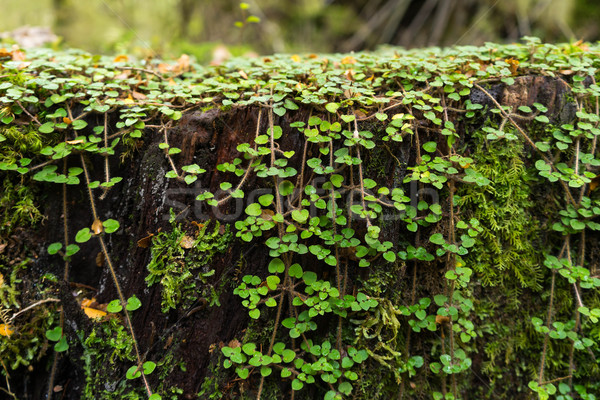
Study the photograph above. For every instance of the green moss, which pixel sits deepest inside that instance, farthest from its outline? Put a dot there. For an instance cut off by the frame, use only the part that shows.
(180, 263)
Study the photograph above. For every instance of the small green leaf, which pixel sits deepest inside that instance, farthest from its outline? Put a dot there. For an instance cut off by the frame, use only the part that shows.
(437, 238)
(276, 266)
(300, 216)
(242, 372)
(273, 281)
(297, 384)
(254, 210)
(255, 313)
(266, 199)
(54, 248)
(332, 107)
(54, 334)
(133, 303)
(296, 271)
(149, 367)
(114, 306)
(62, 345)
(47, 127)
(83, 235)
(110, 225)
(133, 372)
(430, 147)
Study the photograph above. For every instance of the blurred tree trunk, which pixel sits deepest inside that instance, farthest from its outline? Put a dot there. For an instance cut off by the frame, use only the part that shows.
(186, 10)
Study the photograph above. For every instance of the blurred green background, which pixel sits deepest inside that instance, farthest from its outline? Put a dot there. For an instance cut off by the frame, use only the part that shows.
(168, 28)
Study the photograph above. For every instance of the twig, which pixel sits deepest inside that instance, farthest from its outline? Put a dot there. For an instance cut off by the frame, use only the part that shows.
(29, 307)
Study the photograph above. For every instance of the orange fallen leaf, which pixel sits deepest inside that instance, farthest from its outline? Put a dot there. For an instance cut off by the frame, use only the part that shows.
(243, 74)
(6, 330)
(441, 319)
(121, 58)
(93, 313)
(295, 58)
(513, 65)
(88, 302)
(348, 60)
(67, 120)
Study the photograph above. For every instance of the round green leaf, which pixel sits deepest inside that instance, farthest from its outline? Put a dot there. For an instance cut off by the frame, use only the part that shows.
(54, 248)
(133, 372)
(83, 235)
(114, 306)
(149, 367)
(254, 210)
(54, 334)
(110, 225)
(430, 147)
(276, 266)
(133, 303)
(266, 200)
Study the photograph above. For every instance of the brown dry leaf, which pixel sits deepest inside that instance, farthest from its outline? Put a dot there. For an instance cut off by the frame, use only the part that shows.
(67, 120)
(146, 241)
(164, 68)
(93, 312)
(348, 60)
(594, 183)
(243, 74)
(6, 330)
(187, 242)
(183, 64)
(313, 56)
(2, 247)
(5, 53)
(76, 141)
(100, 259)
(441, 319)
(57, 388)
(267, 215)
(138, 95)
(234, 343)
(198, 225)
(97, 227)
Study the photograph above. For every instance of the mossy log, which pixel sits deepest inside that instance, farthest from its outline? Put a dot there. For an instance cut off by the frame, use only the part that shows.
(377, 225)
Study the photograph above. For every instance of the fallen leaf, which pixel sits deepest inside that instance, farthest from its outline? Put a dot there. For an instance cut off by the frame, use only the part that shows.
(295, 58)
(93, 313)
(67, 120)
(441, 319)
(100, 259)
(243, 74)
(87, 302)
(121, 58)
(57, 388)
(594, 183)
(6, 330)
(76, 141)
(348, 60)
(513, 65)
(138, 95)
(146, 241)
(234, 343)
(187, 242)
